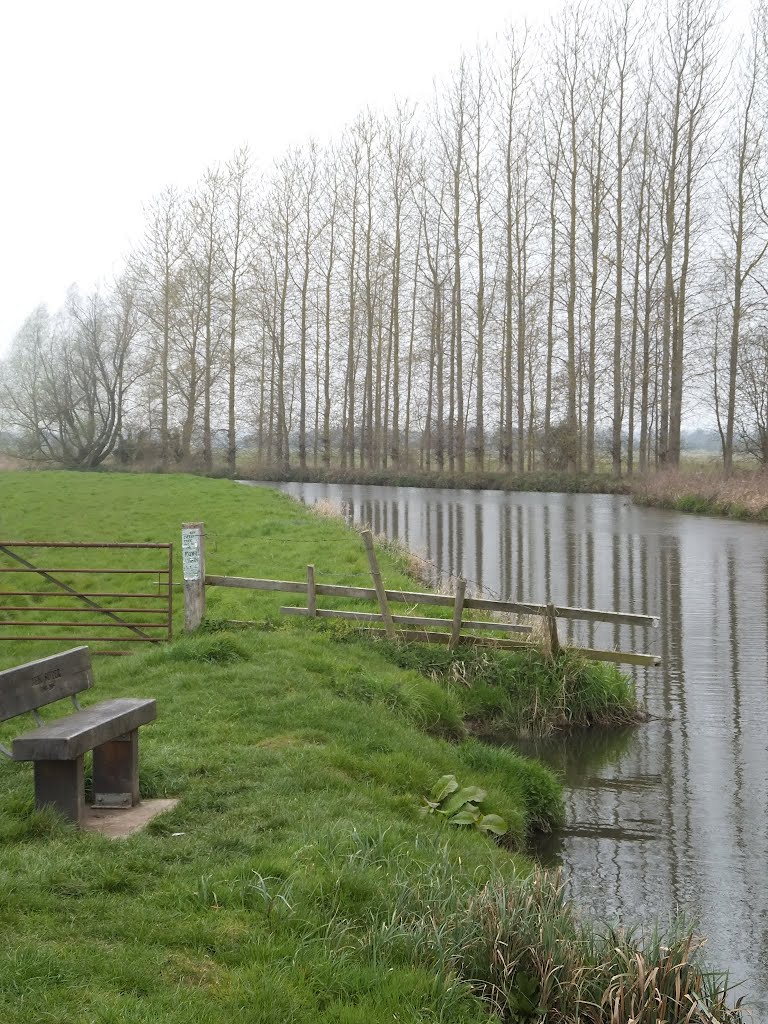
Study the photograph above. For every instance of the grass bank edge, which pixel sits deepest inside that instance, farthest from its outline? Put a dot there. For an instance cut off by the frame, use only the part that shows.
(742, 496)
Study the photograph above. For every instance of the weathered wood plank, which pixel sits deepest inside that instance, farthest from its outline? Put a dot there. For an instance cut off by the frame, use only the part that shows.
(71, 736)
(563, 612)
(116, 772)
(61, 785)
(429, 636)
(458, 611)
(445, 601)
(248, 583)
(311, 592)
(618, 657)
(193, 562)
(411, 620)
(554, 639)
(37, 683)
(378, 583)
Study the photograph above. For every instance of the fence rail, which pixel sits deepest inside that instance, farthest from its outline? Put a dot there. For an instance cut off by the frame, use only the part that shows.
(443, 600)
(434, 629)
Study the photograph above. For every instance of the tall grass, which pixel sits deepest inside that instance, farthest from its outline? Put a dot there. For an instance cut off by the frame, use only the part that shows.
(521, 946)
(542, 962)
(707, 492)
(525, 692)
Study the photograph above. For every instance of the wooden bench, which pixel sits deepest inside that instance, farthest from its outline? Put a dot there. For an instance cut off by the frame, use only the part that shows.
(109, 729)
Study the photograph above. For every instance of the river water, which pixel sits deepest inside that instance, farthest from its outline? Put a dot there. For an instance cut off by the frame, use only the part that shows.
(671, 816)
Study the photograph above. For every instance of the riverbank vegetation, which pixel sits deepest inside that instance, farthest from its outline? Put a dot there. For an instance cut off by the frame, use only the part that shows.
(491, 480)
(563, 251)
(742, 495)
(525, 693)
(297, 879)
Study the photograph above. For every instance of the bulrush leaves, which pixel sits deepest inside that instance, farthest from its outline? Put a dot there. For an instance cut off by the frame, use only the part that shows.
(537, 962)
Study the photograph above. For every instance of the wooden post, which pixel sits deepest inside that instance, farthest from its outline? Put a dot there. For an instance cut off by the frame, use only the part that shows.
(311, 592)
(193, 558)
(61, 785)
(378, 584)
(116, 772)
(554, 639)
(458, 609)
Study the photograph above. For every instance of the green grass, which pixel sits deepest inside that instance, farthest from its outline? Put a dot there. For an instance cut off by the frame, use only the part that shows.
(525, 693)
(296, 879)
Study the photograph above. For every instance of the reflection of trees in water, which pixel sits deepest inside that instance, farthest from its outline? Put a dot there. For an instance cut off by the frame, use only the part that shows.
(673, 813)
(675, 748)
(506, 551)
(479, 542)
(739, 759)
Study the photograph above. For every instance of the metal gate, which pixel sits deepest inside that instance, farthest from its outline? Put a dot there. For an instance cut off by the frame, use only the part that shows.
(131, 600)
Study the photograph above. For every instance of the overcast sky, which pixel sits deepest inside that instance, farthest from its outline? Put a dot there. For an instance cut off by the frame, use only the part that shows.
(104, 103)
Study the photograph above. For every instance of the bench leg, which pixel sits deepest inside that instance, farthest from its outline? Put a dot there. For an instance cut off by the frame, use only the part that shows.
(60, 784)
(116, 772)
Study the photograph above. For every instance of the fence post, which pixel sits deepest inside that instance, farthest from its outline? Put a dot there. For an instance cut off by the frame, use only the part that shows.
(311, 592)
(554, 639)
(458, 609)
(378, 583)
(193, 561)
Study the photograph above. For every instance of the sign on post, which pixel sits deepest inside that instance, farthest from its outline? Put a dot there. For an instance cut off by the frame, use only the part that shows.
(193, 562)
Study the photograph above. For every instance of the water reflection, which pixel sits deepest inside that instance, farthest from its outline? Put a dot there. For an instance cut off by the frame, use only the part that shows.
(672, 816)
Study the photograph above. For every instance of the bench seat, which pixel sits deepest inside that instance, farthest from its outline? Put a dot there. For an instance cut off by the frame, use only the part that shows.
(69, 737)
(57, 748)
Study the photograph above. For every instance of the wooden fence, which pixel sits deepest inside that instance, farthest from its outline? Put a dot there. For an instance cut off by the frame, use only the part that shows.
(424, 628)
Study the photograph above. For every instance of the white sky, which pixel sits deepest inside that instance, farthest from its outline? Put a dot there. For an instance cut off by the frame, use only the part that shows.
(102, 103)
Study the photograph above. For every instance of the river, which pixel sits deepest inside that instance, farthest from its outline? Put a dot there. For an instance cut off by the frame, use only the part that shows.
(671, 816)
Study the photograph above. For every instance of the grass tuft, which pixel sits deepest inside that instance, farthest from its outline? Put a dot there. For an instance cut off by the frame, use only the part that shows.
(524, 692)
(214, 649)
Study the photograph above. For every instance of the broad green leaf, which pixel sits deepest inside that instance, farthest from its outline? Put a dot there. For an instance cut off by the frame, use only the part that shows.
(492, 823)
(444, 787)
(469, 794)
(468, 816)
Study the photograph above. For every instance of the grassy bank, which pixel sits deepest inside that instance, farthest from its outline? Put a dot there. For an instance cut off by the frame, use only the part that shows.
(526, 693)
(707, 492)
(561, 482)
(297, 880)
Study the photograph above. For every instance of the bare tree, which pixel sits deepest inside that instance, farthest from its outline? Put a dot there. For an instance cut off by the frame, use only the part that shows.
(744, 193)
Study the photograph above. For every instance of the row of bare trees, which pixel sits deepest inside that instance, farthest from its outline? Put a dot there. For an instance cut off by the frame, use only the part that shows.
(561, 260)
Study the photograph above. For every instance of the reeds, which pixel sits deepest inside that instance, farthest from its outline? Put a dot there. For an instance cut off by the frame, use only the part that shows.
(521, 946)
(572, 973)
(707, 491)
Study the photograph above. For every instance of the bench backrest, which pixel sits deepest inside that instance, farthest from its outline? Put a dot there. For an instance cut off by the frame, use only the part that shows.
(31, 686)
